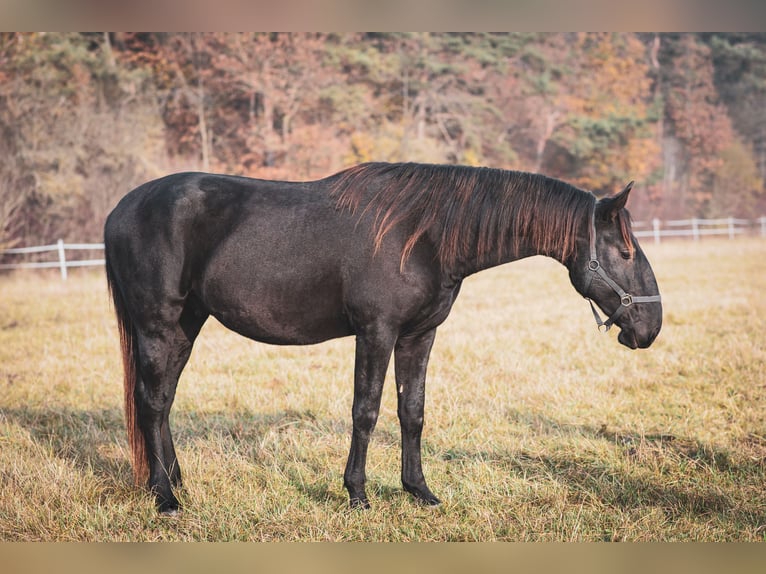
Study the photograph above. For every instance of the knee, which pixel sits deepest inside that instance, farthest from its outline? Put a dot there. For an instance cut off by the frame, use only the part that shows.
(411, 425)
(410, 416)
(364, 419)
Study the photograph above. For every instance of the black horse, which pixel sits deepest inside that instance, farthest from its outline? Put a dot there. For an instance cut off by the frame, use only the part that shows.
(377, 251)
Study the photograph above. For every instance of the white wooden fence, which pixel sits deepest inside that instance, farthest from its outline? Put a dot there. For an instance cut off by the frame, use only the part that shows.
(62, 263)
(656, 229)
(696, 228)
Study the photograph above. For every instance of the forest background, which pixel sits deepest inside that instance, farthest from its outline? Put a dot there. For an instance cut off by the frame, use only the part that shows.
(85, 117)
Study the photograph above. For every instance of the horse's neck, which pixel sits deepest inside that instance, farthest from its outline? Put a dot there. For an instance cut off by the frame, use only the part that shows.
(545, 225)
(512, 251)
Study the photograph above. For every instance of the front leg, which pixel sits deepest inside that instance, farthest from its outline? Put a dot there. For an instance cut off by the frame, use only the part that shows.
(411, 357)
(373, 352)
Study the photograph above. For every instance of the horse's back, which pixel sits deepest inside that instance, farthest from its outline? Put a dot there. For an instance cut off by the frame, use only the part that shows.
(190, 214)
(207, 202)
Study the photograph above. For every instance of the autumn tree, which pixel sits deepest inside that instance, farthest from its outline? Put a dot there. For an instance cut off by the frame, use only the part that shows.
(13, 187)
(578, 106)
(709, 151)
(383, 109)
(739, 62)
(77, 134)
(425, 93)
(606, 137)
(177, 64)
(267, 86)
(529, 93)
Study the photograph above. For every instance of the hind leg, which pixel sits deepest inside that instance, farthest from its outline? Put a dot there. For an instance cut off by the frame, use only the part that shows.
(162, 355)
(169, 458)
(190, 323)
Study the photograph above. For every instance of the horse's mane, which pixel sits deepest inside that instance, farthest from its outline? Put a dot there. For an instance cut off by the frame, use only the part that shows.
(497, 207)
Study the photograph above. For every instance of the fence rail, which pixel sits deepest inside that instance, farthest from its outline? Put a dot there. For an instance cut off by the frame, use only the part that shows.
(657, 229)
(696, 228)
(62, 263)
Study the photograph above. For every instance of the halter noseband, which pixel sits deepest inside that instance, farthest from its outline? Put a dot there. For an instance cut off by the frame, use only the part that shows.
(594, 267)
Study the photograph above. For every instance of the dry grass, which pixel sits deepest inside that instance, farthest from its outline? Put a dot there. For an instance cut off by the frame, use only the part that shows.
(537, 427)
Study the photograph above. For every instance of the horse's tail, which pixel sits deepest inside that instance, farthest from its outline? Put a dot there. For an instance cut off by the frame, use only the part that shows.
(128, 345)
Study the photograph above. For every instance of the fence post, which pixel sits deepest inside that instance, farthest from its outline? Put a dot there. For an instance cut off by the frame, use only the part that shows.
(695, 229)
(62, 258)
(656, 229)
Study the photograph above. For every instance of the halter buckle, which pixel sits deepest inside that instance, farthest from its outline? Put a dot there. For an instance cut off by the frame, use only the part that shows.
(626, 300)
(593, 265)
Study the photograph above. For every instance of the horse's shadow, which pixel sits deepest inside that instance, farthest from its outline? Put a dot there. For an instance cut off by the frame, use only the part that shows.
(88, 439)
(675, 474)
(94, 440)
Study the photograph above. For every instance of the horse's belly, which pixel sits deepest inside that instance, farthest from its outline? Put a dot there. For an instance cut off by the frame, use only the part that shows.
(276, 332)
(287, 310)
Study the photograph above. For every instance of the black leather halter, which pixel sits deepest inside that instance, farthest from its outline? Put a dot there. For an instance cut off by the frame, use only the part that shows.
(594, 268)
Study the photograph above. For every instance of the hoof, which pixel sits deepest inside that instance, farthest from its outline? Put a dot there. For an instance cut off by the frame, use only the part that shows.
(424, 496)
(168, 508)
(360, 503)
(431, 501)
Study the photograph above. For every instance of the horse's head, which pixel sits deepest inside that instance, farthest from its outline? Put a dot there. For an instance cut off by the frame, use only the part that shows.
(611, 270)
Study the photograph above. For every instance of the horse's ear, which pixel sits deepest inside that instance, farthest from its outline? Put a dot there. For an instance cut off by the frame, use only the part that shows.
(608, 207)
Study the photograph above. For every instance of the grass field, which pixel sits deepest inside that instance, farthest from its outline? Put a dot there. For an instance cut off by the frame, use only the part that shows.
(537, 426)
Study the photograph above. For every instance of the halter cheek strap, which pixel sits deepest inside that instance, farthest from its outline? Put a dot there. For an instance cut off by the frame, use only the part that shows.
(594, 268)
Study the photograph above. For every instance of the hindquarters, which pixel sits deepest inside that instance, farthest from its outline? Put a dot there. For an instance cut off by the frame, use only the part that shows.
(158, 320)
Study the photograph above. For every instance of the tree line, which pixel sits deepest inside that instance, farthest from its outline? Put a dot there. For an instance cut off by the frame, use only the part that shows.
(84, 117)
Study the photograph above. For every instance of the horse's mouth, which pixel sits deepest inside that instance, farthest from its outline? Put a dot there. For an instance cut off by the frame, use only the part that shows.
(628, 338)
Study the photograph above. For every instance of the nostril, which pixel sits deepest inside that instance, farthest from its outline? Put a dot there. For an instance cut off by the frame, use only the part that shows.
(654, 334)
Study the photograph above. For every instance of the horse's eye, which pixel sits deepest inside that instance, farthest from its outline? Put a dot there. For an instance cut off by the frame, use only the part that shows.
(625, 254)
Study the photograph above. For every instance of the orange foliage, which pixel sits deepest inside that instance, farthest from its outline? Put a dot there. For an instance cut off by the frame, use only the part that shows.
(613, 93)
(700, 122)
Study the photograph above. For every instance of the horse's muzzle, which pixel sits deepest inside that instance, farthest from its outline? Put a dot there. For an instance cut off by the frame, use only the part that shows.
(629, 338)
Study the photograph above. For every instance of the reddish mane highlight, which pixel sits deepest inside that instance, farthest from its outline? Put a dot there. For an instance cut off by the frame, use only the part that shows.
(625, 230)
(478, 213)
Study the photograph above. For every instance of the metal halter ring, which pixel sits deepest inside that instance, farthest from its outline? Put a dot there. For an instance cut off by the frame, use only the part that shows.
(626, 300)
(593, 265)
